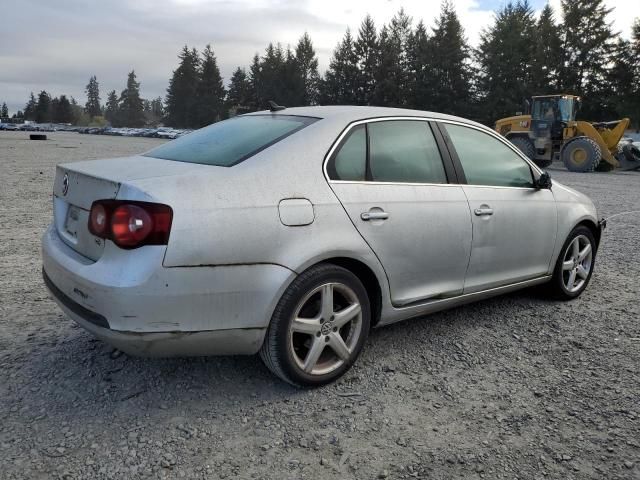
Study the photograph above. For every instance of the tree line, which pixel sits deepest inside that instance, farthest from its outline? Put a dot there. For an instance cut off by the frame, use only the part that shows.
(402, 64)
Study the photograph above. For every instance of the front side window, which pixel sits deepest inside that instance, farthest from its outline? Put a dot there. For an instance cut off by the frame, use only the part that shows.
(487, 161)
(232, 141)
(404, 151)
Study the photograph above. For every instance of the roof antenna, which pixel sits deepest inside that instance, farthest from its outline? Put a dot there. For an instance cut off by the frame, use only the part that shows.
(274, 107)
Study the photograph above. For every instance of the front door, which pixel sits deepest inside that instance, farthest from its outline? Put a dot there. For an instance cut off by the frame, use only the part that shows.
(514, 223)
(399, 199)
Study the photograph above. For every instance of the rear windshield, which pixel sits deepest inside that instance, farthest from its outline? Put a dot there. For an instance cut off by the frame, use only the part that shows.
(229, 142)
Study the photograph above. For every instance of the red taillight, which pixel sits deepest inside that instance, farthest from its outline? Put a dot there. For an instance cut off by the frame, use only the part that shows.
(131, 224)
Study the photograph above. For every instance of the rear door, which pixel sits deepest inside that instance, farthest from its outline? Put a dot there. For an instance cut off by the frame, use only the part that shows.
(514, 224)
(391, 179)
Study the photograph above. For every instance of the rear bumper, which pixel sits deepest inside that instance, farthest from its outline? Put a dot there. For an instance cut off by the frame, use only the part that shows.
(235, 341)
(130, 301)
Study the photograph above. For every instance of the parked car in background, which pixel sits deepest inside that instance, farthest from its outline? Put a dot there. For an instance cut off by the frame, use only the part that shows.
(292, 233)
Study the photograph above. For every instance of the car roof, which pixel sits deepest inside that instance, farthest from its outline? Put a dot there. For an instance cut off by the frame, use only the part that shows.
(351, 113)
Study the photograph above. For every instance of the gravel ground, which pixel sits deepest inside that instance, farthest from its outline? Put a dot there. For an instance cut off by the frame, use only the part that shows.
(516, 387)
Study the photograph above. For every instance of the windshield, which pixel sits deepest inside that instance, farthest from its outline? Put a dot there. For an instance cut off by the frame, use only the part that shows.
(553, 109)
(232, 141)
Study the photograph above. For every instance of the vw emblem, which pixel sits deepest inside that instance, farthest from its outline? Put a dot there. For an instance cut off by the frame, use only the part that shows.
(65, 184)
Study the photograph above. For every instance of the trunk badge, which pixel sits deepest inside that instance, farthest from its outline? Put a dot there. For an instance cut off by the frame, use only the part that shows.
(65, 184)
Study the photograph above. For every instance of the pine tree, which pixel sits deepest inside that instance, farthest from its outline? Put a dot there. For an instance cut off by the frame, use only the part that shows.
(547, 57)
(622, 98)
(181, 101)
(588, 44)
(61, 110)
(448, 65)
(92, 107)
(505, 56)
(307, 63)
(392, 82)
(30, 108)
(340, 85)
(420, 88)
(239, 94)
(112, 109)
(367, 51)
(4, 112)
(130, 105)
(292, 80)
(254, 83)
(43, 108)
(270, 85)
(157, 108)
(210, 90)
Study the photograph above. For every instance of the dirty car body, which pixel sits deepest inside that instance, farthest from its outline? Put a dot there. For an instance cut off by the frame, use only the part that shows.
(242, 231)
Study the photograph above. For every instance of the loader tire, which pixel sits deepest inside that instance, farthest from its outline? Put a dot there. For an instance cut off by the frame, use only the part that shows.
(543, 163)
(525, 146)
(581, 155)
(631, 152)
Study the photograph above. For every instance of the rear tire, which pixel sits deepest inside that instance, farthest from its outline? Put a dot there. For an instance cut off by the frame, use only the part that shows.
(525, 145)
(543, 163)
(581, 154)
(574, 266)
(318, 328)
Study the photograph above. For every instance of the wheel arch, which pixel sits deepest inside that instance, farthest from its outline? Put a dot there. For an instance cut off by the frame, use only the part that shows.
(593, 226)
(368, 278)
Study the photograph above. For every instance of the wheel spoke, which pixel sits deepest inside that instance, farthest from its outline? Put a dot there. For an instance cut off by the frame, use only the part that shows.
(317, 346)
(306, 325)
(337, 345)
(584, 252)
(326, 310)
(568, 265)
(572, 279)
(575, 248)
(582, 272)
(346, 314)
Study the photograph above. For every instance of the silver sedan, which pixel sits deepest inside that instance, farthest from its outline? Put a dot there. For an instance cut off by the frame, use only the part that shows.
(292, 233)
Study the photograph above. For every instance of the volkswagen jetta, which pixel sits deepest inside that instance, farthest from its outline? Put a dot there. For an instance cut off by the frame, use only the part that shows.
(291, 233)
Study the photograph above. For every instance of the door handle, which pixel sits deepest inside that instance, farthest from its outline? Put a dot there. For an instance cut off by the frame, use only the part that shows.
(484, 210)
(375, 215)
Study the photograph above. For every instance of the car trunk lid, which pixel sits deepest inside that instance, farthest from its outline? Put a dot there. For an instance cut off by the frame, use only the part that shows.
(78, 185)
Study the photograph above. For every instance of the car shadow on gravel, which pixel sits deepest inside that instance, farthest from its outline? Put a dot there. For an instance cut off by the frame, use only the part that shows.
(78, 375)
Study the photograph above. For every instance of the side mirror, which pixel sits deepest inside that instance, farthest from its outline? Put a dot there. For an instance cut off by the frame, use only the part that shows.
(543, 181)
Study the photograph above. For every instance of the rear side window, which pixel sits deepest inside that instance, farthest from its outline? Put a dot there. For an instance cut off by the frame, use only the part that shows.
(404, 151)
(350, 161)
(229, 142)
(487, 161)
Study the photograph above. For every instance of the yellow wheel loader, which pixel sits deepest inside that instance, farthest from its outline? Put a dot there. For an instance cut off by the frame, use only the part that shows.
(551, 132)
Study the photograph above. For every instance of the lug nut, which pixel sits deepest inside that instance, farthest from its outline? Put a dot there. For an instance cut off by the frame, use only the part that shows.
(326, 339)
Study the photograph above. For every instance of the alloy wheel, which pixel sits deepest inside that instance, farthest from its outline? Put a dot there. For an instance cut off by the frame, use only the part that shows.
(576, 264)
(325, 328)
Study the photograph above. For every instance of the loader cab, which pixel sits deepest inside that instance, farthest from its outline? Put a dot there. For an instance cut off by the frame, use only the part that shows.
(551, 114)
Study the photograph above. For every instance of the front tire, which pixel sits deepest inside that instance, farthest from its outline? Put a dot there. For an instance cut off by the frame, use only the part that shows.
(581, 154)
(318, 328)
(574, 265)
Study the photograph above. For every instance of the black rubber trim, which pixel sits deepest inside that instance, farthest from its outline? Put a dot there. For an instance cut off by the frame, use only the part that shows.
(457, 165)
(452, 176)
(85, 313)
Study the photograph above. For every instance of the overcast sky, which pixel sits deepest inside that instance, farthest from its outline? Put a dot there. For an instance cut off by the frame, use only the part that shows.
(56, 45)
